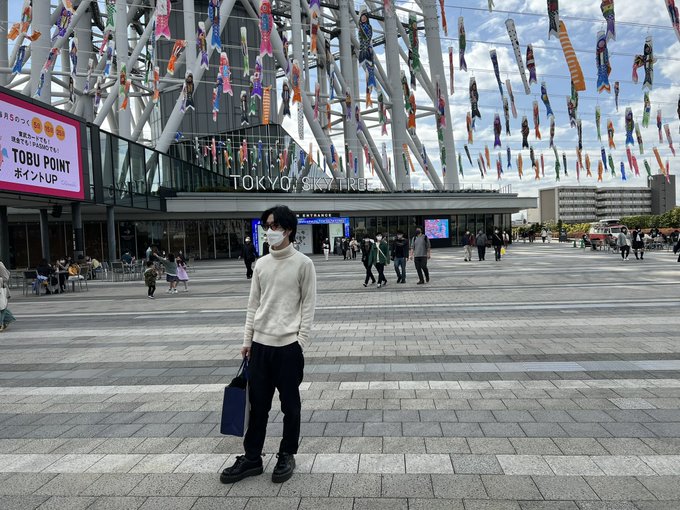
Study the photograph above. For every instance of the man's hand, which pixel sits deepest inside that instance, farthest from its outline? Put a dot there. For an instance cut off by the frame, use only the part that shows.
(429, 255)
(245, 352)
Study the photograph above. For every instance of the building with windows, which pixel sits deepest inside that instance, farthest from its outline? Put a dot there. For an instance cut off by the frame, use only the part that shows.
(585, 204)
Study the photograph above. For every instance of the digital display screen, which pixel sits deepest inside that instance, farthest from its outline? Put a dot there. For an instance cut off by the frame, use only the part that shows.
(40, 151)
(437, 229)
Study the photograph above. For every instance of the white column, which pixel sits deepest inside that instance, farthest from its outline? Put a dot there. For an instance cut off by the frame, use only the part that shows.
(434, 53)
(190, 28)
(40, 49)
(122, 46)
(83, 33)
(398, 121)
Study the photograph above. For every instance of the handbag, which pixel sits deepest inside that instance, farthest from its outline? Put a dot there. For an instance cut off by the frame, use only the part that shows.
(502, 251)
(236, 406)
(4, 294)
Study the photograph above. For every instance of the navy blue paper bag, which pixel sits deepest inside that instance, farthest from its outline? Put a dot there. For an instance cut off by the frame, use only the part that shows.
(236, 407)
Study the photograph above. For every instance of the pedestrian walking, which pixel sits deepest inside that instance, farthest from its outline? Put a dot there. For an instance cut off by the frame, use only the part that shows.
(249, 255)
(170, 265)
(638, 241)
(421, 251)
(497, 243)
(469, 241)
(354, 247)
(150, 277)
(345, 249)
(623, 243)
(379, 257)
(326, 248)
(544, 235)
(6, 316)
(278, 323)
(506, 239)
(365, 253)
(481, 241)
(400, 252)
(182, 275)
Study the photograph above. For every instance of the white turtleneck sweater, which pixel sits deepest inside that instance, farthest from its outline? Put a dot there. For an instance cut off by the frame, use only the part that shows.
(282, 299)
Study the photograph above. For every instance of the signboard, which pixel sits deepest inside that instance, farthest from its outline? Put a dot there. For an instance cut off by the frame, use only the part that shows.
(437, 228)
(40, 151)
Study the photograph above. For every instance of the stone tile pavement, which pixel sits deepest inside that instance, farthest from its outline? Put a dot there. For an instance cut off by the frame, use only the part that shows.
(548, 381)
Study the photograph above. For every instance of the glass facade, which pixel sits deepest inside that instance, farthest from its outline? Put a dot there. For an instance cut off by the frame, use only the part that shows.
(215, 238)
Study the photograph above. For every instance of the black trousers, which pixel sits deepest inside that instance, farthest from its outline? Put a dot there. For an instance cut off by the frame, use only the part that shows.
(152, 289)
(497, 252)
(270, 368)
(249, 268)
(625, 251)
(421, 267)
(369, 273)
(381, 273)
(481, 251)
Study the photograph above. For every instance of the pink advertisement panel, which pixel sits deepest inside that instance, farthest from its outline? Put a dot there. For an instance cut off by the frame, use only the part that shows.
(40, 151)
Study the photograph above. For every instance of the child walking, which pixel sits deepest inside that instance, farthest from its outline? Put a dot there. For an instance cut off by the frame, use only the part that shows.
(182, 273)
(150, 276)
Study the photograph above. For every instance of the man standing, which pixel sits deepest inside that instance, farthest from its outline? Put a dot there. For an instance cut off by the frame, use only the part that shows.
(421, 251)
(497, 242)
(481, 241)
(278, 323)
(400, 256)
(249, 255)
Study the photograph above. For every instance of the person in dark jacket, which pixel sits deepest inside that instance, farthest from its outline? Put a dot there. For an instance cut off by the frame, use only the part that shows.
(365, 252)
(400, 256)
(638, 240)
(497, 243)
(481, 241)
(249, 255)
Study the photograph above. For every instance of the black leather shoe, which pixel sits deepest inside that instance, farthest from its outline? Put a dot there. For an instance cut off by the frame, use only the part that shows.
(285, 465)
(242, 468)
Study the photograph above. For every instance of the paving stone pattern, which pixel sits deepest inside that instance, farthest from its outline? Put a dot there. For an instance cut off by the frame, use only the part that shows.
(547, 381)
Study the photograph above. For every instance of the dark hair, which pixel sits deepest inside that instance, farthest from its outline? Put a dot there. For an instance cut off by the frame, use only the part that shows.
(400, 232)
(149, 263)
(171, 257)
(283, 217)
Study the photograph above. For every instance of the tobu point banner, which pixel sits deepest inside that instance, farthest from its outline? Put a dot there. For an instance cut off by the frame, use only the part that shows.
(40, 151)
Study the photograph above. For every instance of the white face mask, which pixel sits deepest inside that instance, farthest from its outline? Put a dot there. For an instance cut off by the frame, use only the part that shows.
(275, 237)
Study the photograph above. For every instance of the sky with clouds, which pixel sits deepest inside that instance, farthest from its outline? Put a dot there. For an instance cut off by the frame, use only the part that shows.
(486, 31)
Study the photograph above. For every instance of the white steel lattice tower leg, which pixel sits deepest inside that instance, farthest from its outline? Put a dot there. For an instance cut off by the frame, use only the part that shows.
(434, 53)
(124, 117)
(39, 50)
(402, 178)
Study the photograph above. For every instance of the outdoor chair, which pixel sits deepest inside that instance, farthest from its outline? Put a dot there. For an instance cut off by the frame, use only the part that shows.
(29, 281)
(118, 271)
(80, 278)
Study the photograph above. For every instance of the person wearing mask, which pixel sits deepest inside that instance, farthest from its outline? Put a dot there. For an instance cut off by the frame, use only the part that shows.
(278, 324)
(399, 254)
(249, 255)
(421, 251)
(379, 257)
(345, 249)
(365, 253)
(326, 248)
(623, 243)
(544, 234)
(638, 241)
(497, 243)
(481, 241)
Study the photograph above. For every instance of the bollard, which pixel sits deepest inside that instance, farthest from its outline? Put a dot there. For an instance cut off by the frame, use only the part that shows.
(574, 243)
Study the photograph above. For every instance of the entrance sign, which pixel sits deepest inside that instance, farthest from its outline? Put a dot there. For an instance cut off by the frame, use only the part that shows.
(40, 151)
(286, 183)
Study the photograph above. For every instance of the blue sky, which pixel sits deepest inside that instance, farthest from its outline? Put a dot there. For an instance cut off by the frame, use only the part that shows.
(486, 31)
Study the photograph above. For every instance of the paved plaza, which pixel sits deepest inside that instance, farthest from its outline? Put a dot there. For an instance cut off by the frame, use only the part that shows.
(547, 381)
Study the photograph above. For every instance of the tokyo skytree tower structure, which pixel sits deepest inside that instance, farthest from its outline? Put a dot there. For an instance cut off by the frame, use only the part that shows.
(164, 72)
